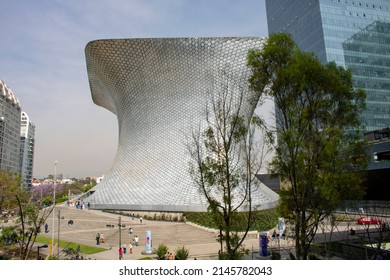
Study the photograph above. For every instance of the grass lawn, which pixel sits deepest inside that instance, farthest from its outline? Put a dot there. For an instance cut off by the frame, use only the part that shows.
(84, 249)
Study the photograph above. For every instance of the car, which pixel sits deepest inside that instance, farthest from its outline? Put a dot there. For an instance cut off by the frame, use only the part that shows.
(368, 221)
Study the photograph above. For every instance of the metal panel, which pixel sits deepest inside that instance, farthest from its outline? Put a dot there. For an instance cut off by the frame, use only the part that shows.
(157, 88)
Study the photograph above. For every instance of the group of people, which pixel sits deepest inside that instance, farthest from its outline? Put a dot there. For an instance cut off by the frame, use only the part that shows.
(128, 248)
(79, 204)
(275, 235)
(123, 249)
(99, 238)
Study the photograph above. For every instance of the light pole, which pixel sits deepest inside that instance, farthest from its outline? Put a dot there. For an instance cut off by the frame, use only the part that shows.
(58, 237)
(120, 236)
(54, 204)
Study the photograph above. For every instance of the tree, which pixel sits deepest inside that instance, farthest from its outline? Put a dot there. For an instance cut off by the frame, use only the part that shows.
(224, 162)
(318, 152)
(9, 184)
(30, 217)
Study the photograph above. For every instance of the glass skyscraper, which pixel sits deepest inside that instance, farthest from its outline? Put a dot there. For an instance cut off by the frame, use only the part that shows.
(27, 144)
(354, 34)
(10, 111)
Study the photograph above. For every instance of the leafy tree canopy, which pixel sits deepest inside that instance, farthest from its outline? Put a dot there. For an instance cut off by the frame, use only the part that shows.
(319, 155)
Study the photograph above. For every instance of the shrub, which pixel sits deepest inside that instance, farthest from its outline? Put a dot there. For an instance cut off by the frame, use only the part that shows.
(261, 220)
(161, 251)
(182, 253)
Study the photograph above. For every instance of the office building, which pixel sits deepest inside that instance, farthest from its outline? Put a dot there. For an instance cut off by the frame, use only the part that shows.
(10, 115)
(158, 88)
(378, 170)
(27, 143)
(354, 34)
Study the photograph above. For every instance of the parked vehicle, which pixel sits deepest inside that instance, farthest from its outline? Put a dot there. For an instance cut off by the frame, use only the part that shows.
(369, 221)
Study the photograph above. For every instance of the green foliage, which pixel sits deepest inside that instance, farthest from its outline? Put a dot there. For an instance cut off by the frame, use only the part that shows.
(87, 188)
(47, 200)
(182, 253)
(7, 232)
(74, 188)
(9, 186)
(161, 251)
(5, 257)
(61, 199)
(319, 154)
(238, 252)
(262, 220)
(84, 249)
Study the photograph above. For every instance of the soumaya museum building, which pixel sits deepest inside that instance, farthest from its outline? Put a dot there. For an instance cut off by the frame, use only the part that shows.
(158, 88)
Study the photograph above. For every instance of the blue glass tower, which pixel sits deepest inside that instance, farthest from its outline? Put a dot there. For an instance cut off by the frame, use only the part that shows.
(354, 34)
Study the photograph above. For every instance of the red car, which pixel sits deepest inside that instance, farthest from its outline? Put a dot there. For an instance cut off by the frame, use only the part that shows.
(368, 221)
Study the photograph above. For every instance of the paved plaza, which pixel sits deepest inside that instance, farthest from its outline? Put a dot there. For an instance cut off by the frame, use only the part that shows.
(201, 243)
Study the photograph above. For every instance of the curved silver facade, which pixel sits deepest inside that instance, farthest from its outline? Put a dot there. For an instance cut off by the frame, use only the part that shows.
(157, 88)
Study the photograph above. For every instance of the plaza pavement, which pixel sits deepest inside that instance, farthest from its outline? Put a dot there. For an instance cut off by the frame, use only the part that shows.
(201, 243)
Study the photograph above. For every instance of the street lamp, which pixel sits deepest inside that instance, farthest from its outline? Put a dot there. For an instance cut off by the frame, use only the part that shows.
(54, 204)
(120, 236)
(39, 247)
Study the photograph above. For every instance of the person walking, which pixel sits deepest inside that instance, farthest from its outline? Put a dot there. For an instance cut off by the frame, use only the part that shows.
(130, 247)
(97, 239)
(136, 239)
(120, 253)
(124, 248)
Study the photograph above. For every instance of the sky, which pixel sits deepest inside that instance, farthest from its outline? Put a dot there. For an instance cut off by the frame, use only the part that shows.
(42, 60)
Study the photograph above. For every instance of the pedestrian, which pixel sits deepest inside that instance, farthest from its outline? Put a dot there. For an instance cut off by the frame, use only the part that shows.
(89, 205)
(46, 228)
(140, 220)
(120, 253)
(98, 239)
(132, 216)
(274, 234)
(124, 248)
(130, 247)
(102, 238)
(136, 239)
(130, 231)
